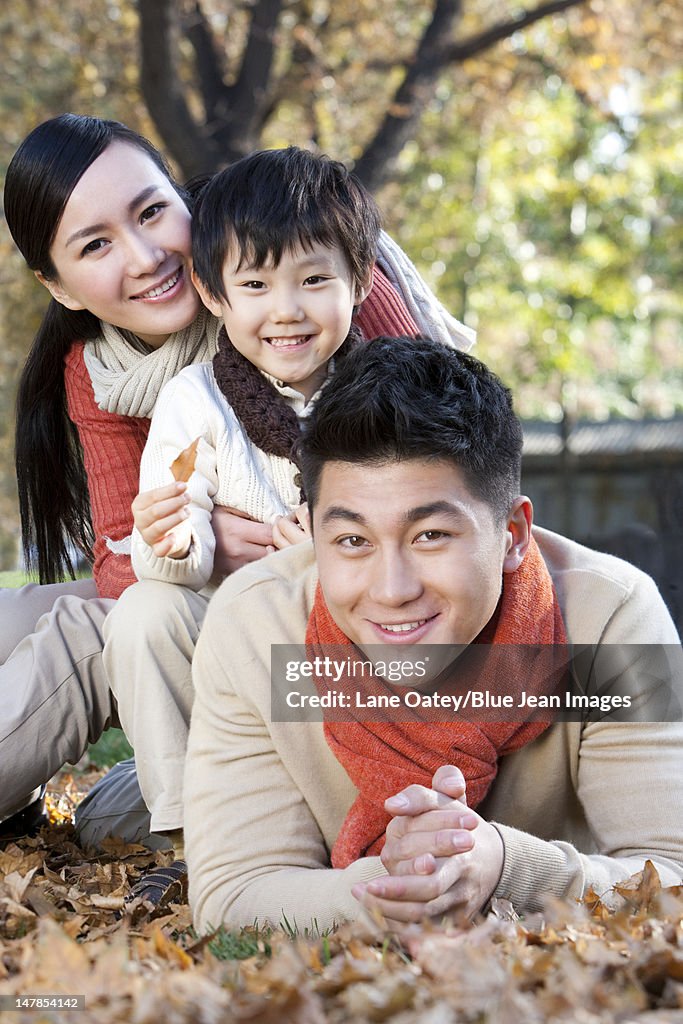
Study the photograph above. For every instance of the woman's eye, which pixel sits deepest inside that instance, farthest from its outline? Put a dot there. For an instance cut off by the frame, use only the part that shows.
(94, 246)
(151, 211)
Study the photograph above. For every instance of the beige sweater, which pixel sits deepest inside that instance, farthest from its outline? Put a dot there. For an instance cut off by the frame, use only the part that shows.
(583, 805)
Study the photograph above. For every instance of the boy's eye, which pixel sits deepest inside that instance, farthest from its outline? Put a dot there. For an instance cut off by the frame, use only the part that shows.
(253, 285)
(151, 211)
(315, 279)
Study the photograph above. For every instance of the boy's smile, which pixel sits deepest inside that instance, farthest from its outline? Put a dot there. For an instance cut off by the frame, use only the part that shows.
(290, 319)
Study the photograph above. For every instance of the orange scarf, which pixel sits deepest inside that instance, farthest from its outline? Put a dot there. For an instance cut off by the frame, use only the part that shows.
(383, 757)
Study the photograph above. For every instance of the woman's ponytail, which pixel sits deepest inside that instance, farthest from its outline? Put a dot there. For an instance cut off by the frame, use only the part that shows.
(53, 493)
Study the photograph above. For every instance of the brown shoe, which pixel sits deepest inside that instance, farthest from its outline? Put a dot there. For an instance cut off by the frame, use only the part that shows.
(160, 886)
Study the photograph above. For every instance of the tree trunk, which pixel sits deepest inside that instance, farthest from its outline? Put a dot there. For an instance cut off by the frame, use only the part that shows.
(235, 113)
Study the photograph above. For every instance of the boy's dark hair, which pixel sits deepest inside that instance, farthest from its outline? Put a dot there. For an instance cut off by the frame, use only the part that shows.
(406, 398)
(274, 200)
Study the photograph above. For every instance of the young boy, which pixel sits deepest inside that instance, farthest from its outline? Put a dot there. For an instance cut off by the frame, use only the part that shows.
(284, 244)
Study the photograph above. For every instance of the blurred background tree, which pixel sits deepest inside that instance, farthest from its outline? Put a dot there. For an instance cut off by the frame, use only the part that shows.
(529, 160)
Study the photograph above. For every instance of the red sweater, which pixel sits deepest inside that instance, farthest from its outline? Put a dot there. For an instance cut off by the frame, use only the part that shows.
(112, 444)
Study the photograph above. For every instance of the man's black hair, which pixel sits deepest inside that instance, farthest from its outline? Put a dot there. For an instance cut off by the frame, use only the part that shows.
(405, 398)
(275, 200)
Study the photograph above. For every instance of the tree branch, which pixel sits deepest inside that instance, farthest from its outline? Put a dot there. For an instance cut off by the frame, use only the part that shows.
(377, 163)
(249, 94)
(161, 86)
(411, 97)
(305, 69)
(459, 52)
(208, 58)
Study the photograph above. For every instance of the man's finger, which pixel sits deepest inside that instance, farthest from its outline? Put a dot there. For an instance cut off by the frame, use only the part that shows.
(449, 780)
(411, 903)
(458, 815)
(443, 843)
(416, 800)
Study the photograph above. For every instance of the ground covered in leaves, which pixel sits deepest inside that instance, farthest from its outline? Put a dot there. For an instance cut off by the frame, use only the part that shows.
(62, 932)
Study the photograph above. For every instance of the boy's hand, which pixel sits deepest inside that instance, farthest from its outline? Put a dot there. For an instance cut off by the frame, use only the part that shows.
(157, 512)
(293, 528)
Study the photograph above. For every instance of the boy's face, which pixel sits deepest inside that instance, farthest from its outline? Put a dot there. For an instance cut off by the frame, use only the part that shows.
(289, 320)
(407, 554)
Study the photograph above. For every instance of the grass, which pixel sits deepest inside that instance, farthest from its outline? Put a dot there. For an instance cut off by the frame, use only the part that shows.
(17, 577)
(242, 944)
(112, 746)
(13, 578)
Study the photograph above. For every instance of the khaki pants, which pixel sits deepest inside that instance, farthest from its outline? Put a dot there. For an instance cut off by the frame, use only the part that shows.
(150, 638)
(54, 692)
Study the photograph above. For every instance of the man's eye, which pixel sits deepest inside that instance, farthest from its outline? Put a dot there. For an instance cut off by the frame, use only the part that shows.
(353, 541)
(432, 535)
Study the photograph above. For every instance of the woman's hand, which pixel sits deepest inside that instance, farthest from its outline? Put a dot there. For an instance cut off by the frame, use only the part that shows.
(239, 539)
(157, 512)
(441, 856)
(293, 528)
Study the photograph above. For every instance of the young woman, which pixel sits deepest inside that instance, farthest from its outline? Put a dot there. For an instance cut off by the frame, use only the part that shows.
(100, 220)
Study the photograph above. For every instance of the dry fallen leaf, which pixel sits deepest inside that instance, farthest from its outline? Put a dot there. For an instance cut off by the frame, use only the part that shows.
(60, 932)
(641, 889)
(182, 467)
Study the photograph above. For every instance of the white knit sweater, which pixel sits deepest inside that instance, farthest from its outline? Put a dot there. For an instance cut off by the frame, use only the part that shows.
(229, 470)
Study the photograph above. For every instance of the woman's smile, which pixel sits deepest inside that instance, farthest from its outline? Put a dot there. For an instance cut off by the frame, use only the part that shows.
(122, 247)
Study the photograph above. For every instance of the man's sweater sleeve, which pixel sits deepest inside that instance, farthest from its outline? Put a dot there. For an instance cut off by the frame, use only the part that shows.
(254, 848)
(384, 312)
(629, 780)
(112, 447)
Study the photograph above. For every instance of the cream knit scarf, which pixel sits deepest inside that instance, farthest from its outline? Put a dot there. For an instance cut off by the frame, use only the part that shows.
(432, 319)
(127, 381)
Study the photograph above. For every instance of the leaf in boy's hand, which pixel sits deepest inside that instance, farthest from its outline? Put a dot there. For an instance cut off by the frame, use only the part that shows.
(182, 467)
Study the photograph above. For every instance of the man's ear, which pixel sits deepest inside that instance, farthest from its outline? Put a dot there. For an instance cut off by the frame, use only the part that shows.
(518, 533)
(57, 292)
(212, 304)
(362, 289)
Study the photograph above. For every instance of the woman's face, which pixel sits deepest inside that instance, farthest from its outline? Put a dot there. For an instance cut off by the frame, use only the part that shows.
(122, 248)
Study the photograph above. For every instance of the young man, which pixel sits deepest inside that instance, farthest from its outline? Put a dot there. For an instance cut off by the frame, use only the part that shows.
(411, 467)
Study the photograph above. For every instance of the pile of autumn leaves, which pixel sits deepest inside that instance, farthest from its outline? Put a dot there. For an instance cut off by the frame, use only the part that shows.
(62, 932)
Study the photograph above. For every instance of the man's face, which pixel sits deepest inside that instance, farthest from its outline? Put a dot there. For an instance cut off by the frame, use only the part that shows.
(407, 554)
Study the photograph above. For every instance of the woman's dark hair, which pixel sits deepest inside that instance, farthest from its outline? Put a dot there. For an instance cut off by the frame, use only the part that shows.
(406, 398)
(53, 492)
(275, 200)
